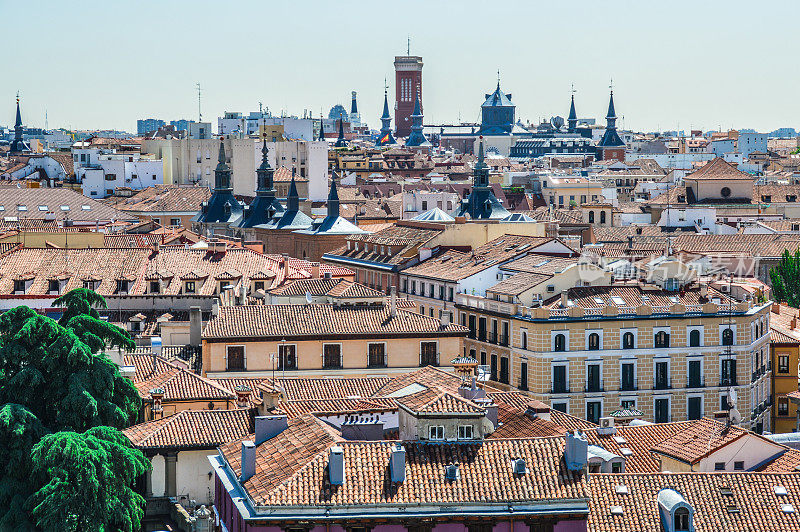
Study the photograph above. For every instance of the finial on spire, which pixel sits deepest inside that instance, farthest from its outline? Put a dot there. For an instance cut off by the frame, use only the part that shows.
(408, 46)
(572, 88)
(611, 85)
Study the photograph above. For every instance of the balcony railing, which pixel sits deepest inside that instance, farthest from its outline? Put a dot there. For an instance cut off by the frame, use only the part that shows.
(429, 359)
(559, 387)
(503, 340)
(728, 381)
(631, 386)
(662, 384)
(697, 383)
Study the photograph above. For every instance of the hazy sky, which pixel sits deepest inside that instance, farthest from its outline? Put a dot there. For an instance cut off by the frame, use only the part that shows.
(674, 64)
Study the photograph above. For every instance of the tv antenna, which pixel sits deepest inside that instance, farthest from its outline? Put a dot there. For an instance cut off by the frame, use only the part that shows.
(199, 111)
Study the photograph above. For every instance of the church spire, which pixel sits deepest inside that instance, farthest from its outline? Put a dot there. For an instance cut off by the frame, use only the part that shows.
(293, 199)
(611, 116)
(386, 120)
(417, 137)
(480, 173)
(265, 173)
(18, 122)
(222, 173)
(321, 128)
(333, 199)
(18, 145)
(572, 120)
(341, 142)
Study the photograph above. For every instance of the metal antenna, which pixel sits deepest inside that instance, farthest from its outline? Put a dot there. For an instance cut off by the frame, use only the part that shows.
(408, 46)
(199, 111)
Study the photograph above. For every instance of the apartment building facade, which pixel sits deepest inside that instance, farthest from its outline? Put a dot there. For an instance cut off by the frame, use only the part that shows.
(594, 350)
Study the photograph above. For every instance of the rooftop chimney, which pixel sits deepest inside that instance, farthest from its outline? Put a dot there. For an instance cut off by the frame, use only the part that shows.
(157, 395)
(315, 270)
(242, 395)
(195, 325)
(155, 346)
(248, 460)
(393, 301)
(564, 299)
(576, 451)
(336, 465)
(286, 265)
(776, 308)
(397, 463)
(267, 427)
(444, 318)
(215, 306)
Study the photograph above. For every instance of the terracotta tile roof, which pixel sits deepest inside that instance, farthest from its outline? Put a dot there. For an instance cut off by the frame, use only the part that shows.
(135, 265)
(540, 264)
(788, 462)
(778, 336)
(192, 429)
(719, 169)
(751, 505)
(60, 203)
(291, 470)
(336, 406)
(179, 384)
(405, 241)
(521, 400)
(253, 383)
(518, 283)
(304, 388)
(437, 401)
(339, 288)
(328, 320)
(516, 423)
(698, 439)
(164, 198)
(428, 377)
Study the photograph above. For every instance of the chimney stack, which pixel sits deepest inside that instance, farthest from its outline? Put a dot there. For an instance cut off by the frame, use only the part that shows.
(267, 427)
(564, 299)
(215, 306)
(576, 451)
(315, 270)
(242, 395)
(248, 460)
(397, 464)
(444, 318)
(195, 325)
(285, 265)
(336, 465)
(393, 301)
(157, 395)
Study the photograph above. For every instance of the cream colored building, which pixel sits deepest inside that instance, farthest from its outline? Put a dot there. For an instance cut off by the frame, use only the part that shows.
(671, 355)
(387, 338)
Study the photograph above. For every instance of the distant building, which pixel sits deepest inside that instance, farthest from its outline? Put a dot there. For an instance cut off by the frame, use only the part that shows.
(182, 124)
(148, 125)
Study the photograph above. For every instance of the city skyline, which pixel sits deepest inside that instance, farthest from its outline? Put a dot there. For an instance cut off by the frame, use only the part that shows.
(146, 64)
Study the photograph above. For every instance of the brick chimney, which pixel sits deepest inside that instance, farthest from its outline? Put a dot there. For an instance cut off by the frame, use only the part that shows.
(393, 302)
(242, 395)
(285, 258)
(315, 270)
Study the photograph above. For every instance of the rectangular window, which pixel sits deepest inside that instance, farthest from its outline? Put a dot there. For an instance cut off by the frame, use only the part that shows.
(593, 411)
(695, 407)
(287, 357)
(428, 355)
(695, 376)
(493, 367)
(504, 370)
(190, 287)
(560, 379)
(523, 375)
(719, 466)
(465, 432)
(331, 356)
(662, 410)
(236, 358)
(259, 285)
(122, 286)
(174, 221)
(436, 432)
(728, 377)
(628, 404)
(53, 286)
(783, 406)
(593, 383)
(450, 293)
(738, 465)
(376, 356)
(662, 376)
(783, 363)
(561, 407)
(155, 287)
(628, 377)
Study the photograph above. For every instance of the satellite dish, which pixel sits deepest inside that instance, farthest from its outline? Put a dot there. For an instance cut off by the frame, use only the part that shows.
(735, 416)
(308, 296)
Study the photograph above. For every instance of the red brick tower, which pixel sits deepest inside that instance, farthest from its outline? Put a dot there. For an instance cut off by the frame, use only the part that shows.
(408, 83)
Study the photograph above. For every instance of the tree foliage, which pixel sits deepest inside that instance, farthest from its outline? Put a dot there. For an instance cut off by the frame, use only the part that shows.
(786, 279)
(92, 472)
(61, 403)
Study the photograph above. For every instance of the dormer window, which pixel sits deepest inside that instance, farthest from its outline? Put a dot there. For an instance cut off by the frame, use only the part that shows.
(155, 287)
(682, 520)
(122, 286)
(90, 285)
(53, 286)
(190, 287)
(19, 286)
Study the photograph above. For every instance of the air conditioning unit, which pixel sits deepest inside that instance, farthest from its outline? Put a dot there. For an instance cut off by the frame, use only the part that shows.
(606, 422)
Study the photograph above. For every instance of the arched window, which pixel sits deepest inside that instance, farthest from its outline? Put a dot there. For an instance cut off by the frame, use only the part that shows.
(602, 217)
(560, 343)
(594, 342)
(591, 217)
(694, 338)
(727, 337)
(682, 520)
(662, 339)
(627, 340)
(524, 340)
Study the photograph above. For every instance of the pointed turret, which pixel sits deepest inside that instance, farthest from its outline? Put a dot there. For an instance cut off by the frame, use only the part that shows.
(18, 145)
(333, 199)
(386, 136)
(417, 138)
(353, 105)
(321, 128)
(222, 173)
(482, 203)
(497, 113)
(293, 199)
(341, 142)
(611, 145)
(265, 174)
(572, 120)
(611, 116)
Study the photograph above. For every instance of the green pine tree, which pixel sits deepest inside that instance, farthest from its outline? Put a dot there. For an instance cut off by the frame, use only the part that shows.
(786, 279)
(62, 402)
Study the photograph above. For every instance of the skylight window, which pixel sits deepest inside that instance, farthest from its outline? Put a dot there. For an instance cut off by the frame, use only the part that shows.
(86, 207)
(42, 207)
(787, 508)
(780, 490)
(625, 451)
(598, 300)
(645, 298)
(618, 301)
(620, 440)
(621, 489)
(22, 208)
(65, 207)
(540, 264)
(616, 510)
